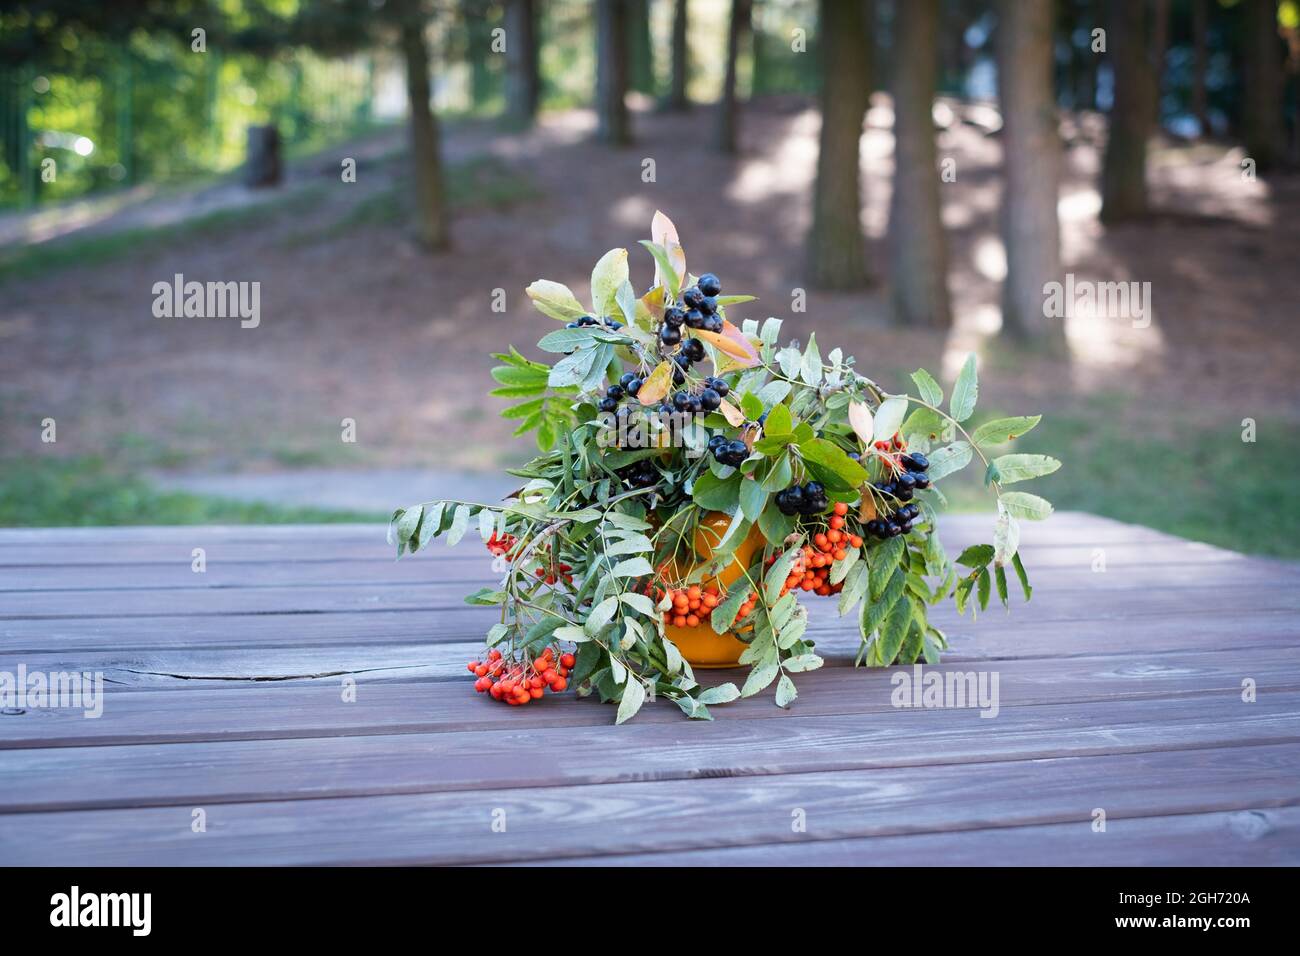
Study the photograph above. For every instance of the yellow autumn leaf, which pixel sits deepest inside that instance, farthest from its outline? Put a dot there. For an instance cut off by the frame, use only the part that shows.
(655, 387)
(733, 342)
(734, 416)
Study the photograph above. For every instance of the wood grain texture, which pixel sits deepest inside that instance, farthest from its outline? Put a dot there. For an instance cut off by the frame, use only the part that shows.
(1120, 690)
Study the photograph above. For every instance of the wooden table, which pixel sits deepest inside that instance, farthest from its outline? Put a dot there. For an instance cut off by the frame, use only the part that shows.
(1120, 690)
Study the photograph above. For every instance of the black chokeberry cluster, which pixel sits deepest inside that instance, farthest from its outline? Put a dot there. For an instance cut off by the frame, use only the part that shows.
(728, 451)
(901, 488)
(627, 386)
(891, 526)
(640, 474)
(697, 309)
(587, 320)
(809, 499)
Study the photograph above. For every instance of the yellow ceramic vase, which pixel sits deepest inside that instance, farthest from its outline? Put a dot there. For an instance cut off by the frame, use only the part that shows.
(700, 645)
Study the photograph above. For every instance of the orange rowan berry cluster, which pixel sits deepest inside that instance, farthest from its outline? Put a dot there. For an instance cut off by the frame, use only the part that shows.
(691, 605)
(500, 544)
(518, 682)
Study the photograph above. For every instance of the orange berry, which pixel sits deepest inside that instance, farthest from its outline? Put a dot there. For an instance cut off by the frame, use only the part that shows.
(559, 684)
(840, 554)
(695, 605)
(693, 592)
(855, 541)
(709, 601)
(823, 590)
(807, 584)
(819, 539)
(535, 693)
(841, 509)
(692, 620)
(567, 660)
(835, 537)
(680, 620)
(836, 523)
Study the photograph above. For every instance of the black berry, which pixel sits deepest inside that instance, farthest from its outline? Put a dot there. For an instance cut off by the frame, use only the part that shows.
(709, 284)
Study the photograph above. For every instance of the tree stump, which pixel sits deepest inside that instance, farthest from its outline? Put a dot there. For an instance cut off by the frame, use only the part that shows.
(262, 167)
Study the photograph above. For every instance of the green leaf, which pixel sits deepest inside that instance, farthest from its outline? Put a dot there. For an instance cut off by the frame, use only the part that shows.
(610, 273)
(874, 611)
(1000, 578)
(775, 577)
(779, 422)
(889, 417)
(717, 494)
(639, 602)
(574, 635)
(930, 391)
(724, 615)
(555, 300)
(785, 691)
(722, 694)
(893, 630)
(965, 392)
(1021, 504)
(976, 556)
(855, 587)
(409, 522)
(1004, 429)
(572, 369)
(631, 701)
(760, 676)
(830, 456)
(884, 560)
(566, 340)
(633, 568)
(803, 662)
(667, 274)
(430, 524)
(1023, 576)
(726, 300)
(459, 524)
(949, 459)
(601, 615)
(751, 405)
(779, 475)
(1013, 468)
(775, 526)
(984, 583)
(752, 499)
(810, 366)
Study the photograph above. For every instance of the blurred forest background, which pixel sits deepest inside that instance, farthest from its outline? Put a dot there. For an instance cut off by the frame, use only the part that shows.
(900, 176)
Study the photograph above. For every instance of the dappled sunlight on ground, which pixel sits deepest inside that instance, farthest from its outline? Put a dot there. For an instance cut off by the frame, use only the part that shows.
(361, 323)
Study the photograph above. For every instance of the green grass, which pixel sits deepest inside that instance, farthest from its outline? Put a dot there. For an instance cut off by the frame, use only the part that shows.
(481, 183)
(85, 491)
(1197, 481)
(27, 262)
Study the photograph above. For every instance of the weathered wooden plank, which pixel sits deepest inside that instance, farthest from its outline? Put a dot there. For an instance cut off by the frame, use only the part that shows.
(1047, 568)
(1264, 591)
(1240, 838)
(181, 652)
(662, 816)
(1061, 522)
(251, 711)
(527, 756)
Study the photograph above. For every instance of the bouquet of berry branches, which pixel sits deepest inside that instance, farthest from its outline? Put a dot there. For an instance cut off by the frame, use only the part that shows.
(696, 480)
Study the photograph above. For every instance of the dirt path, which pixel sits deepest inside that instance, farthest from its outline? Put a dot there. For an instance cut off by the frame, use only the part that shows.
(359, 324)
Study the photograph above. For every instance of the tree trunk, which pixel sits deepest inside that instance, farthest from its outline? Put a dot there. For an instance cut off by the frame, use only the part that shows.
(728, 121)
(431, 221)
(641, 75)
(836, 247)
(1123, 172)
(522, 82)
(1156, 53)
(918, 253)
(1031, 157)
(1200, 18)
(614, 125)
(677, 98)
(1261, 114)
